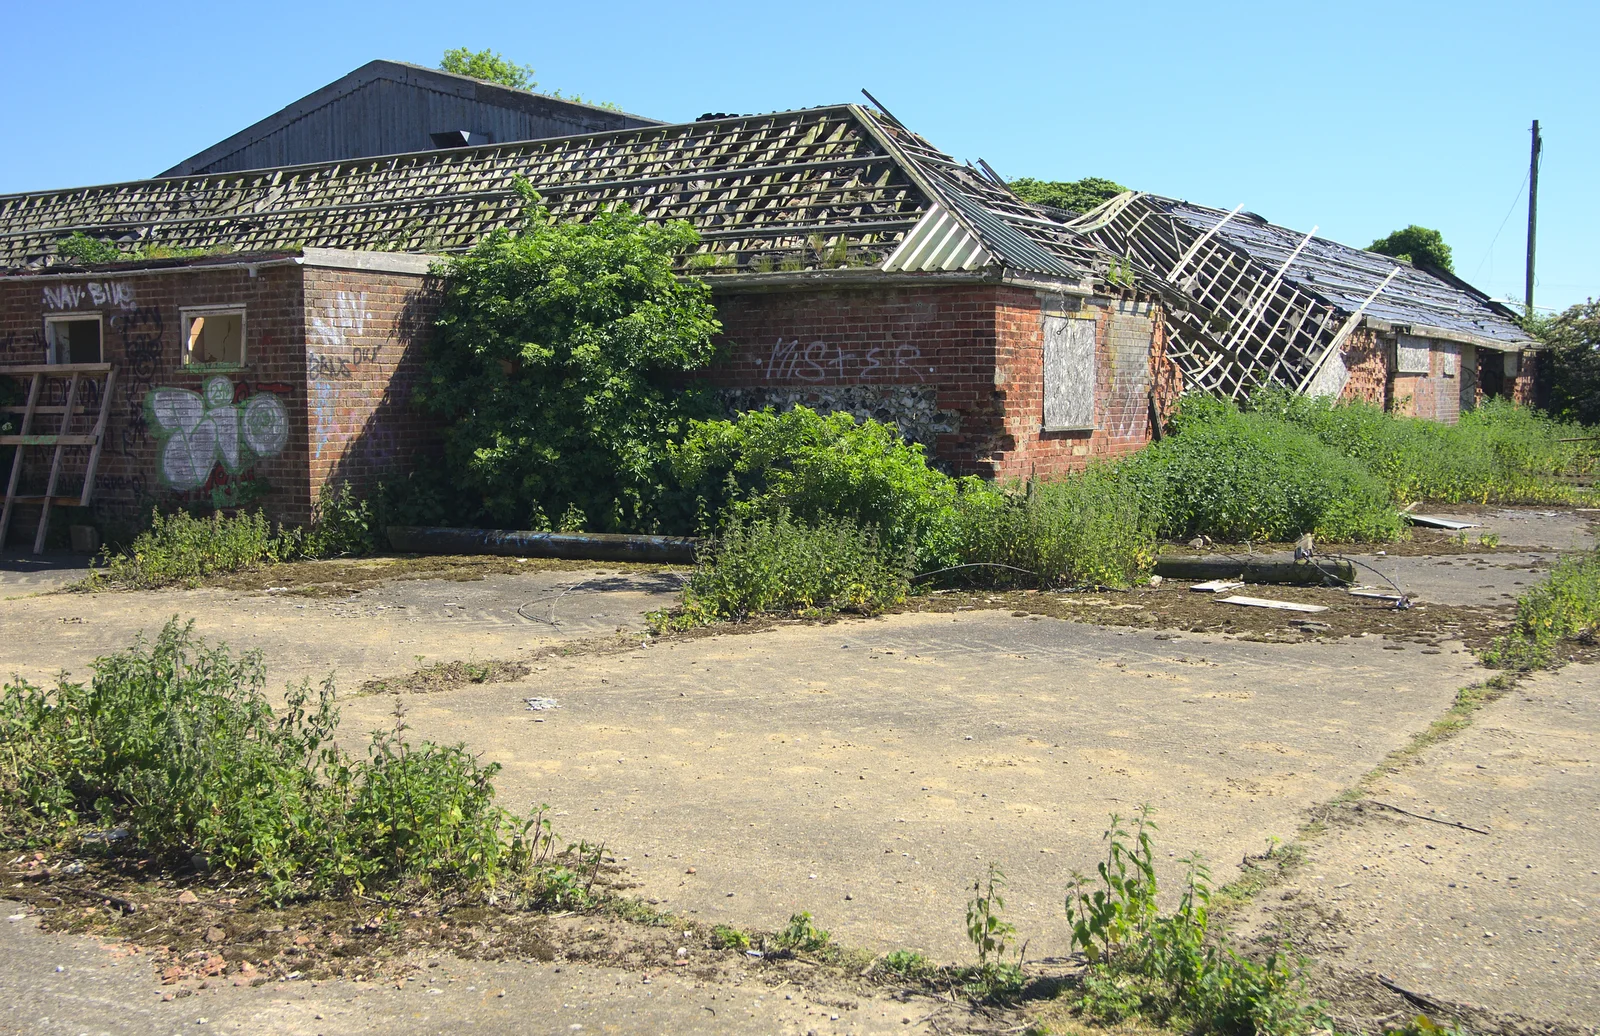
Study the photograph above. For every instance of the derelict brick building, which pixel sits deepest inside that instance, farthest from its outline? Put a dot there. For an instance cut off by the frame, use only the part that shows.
(854, 267)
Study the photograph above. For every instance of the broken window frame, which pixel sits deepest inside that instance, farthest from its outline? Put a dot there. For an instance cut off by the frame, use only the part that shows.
(186, 317)
(53, 345)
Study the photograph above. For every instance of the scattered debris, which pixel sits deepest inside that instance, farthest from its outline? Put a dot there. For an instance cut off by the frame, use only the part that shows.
(1262, 602)
(1216, 586)
(542, 704)
(1311, 625)
(1377, 595)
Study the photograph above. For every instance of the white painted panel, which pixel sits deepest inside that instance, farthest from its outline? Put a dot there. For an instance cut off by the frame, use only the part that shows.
(1413, 355)
(1069, 374)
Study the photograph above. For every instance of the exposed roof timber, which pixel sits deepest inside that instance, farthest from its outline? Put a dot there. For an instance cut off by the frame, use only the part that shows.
(1278, 300)
(823, 188)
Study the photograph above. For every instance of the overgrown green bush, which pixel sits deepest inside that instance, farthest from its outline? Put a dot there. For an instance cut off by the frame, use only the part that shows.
(559, 361)
(1497, 452)
(816, 467)
(180, 548)
(173, 744)
(1236, 476)
(778, 565)
(1563, 608)
(1169, 968)
(1088, 528)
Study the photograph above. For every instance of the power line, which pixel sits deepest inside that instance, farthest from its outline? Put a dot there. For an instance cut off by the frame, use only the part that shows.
(1509, 210)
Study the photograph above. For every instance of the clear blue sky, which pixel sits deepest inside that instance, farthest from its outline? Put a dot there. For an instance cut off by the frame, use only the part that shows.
(1356, 117)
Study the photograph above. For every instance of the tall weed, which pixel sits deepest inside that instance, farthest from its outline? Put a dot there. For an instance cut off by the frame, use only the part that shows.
(1496, 453)
(1564, 608)
(1169, 968)
(1237, 476)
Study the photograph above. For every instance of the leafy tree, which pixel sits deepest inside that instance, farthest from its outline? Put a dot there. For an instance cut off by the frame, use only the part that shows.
(1072, 195)
(1418, 246)
(559, 360)
(486, 64)
(1574, 341)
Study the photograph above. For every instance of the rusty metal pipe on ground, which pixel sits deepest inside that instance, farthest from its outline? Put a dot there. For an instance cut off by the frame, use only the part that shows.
(576, 546)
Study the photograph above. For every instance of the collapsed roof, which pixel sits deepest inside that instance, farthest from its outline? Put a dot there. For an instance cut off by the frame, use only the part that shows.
(1260, 303)
(817, 189)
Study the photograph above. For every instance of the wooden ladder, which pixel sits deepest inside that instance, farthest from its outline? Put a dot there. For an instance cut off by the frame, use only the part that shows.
(76, 373)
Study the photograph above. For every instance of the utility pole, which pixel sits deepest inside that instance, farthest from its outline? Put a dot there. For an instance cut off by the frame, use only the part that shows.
(1533, 213)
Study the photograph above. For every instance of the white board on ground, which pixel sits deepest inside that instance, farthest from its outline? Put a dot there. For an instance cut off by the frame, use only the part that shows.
(1262, 602)
(1216, 586)
(1435, 522)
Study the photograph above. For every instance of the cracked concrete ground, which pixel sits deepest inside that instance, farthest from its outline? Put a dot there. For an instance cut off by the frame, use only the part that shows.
(891, 758)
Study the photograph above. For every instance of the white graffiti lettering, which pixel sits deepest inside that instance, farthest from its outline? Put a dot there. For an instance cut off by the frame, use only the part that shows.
(819, 361)
(99, 293)
(196, 430)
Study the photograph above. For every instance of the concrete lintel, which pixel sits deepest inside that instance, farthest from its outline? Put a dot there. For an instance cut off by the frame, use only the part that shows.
(380, 262)
(866, 278)
(1451, 335)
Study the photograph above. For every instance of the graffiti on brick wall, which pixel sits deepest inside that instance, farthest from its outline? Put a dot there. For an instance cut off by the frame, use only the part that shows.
(821, 360)
(199, 430)
(912, 409)
(89, 293)
(333, 356)
(20, 347)
(141, 362)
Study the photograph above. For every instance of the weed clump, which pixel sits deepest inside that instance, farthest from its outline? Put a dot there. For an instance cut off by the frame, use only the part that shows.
(1563, 609)
(1167, 968)
(173, 748)
(184, 550)
(781, 566)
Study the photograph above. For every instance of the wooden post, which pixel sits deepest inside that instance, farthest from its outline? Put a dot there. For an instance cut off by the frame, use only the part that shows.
(1533, 214)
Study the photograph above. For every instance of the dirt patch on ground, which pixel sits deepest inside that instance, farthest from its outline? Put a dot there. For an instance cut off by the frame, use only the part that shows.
(194, 935)
(1173, 606)
(344, 576)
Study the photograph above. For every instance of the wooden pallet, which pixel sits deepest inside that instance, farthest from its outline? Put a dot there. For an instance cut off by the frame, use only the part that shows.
(38, 374)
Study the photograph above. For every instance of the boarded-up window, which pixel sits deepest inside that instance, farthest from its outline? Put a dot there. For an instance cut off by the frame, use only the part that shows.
(1450, 352)
(1512, 365)
(1068, 374)
(1413, 355)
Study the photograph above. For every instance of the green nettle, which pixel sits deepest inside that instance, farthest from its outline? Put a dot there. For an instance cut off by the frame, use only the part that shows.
(560, 359)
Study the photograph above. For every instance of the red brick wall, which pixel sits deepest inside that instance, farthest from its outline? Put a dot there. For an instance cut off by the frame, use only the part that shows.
(1127, 363)
(1366, 357)
(142, 336)
(977, 352)
(365, 337)
(936, 343)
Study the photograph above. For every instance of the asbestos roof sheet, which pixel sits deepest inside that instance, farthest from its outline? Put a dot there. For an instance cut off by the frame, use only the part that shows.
(817, 189)
(1346, 276)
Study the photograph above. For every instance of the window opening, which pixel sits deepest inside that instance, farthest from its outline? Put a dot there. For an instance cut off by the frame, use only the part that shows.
(73, 338)
(213, 337)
